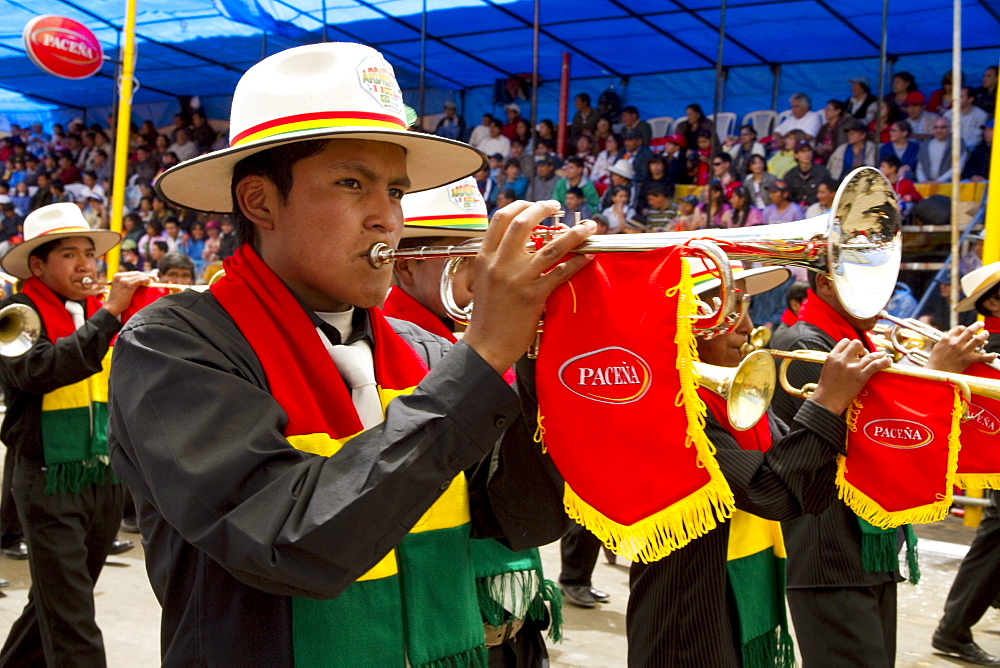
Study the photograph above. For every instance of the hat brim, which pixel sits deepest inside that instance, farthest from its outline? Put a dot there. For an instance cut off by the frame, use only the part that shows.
(414, 232)
(15, 262)
(630, 177)
(969, 302)
(204, 183)
(758, 280)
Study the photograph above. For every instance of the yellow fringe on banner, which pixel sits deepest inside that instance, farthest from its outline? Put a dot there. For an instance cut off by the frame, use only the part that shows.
(869, 510)
(978, 480)
(675, 526)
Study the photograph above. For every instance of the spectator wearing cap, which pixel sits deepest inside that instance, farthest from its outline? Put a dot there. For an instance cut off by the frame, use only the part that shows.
(903, 146)
(934, 160)
(673, 155)
(857, 152)
(543, 185)
(622, 175)
(921, 120)
(804, 178)
(452, 126)
(687, 217)
(802, 118)
(631, 122)
(832, 134)
(496, 142)
(971, 118)
(509, 129)
(481, 131)
(575, 178)
(694, 120)
(742, 147)
(585, 118)
(781, 209)
(861, 103)
(977, 167)
(637, 153)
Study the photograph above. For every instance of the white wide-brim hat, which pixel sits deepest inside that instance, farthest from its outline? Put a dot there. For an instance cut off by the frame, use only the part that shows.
(703, 274)
(55, 221)
(319, 91)
(623, 168)
(453, 210)
(977, 283)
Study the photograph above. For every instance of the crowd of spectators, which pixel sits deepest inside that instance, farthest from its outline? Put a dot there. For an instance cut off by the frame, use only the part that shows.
(74, 164)
(614, 168)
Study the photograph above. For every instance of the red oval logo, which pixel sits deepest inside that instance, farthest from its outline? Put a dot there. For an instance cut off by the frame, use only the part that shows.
(63, 47)
(610, 375)
(983, 420)
(901, 434)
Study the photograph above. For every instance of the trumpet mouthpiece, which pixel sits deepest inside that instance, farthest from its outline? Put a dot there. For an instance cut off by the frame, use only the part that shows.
(87, 281)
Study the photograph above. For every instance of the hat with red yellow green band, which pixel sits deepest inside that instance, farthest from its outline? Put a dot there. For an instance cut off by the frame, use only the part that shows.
(705, 276)
(335, 90)
(454, 210)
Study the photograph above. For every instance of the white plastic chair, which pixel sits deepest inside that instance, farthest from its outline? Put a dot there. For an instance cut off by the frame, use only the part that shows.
(781, 118)
(661, 125)
(726, 124)
(762, 121)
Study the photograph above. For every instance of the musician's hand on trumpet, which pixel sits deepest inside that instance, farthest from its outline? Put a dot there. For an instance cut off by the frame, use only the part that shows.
(512, 284)
(123, 286)
(845, 372)
(960, 347)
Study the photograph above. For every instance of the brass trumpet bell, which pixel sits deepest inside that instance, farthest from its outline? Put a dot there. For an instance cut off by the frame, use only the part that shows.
(20, 328)
(747, 388)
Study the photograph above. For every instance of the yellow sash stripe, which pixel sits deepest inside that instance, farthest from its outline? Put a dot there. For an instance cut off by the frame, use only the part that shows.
(80, 394)
(750, 534)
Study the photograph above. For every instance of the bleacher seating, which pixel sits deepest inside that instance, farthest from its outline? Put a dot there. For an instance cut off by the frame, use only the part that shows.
(762, 121)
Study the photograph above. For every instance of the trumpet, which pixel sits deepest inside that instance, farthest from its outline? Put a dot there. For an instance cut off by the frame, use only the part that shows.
(968, 385)
(88, 282)
(858, 244)
(913, 339)
(20, 328)
(747, 389)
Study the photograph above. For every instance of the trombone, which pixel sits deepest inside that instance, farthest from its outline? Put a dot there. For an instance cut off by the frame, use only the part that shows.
(858, 244)
(968, 385)
(910, 338)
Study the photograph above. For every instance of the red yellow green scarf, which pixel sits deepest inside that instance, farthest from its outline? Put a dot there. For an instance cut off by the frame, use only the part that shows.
(619, 409)
(417, 606)
(74, 420)
(755, 564)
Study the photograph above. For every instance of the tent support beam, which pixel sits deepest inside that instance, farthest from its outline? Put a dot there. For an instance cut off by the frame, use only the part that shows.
(991, 10)
(555, 39)
(701, 19)
(847, 24)
(663, 33)
(396, 19)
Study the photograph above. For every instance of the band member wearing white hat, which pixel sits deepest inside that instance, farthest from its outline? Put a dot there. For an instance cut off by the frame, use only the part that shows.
(511, 585)
(303, 494)
(687, 608)
(977, 583)
(843, 614)
(68, 501)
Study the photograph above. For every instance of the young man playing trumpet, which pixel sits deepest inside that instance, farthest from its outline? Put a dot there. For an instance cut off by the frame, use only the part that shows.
(843, 615)
(977, 583)
(314, 508)
(684, 609)
(67, 499)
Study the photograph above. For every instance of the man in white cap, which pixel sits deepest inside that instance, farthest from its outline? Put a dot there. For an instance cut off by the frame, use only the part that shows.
(304, 496)
(67, 499)
(511, 587)
(977, 583)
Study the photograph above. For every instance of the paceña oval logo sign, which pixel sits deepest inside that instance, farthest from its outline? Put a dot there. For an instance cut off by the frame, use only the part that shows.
(63, 47)
(610, 375)
(901, 434)
(983, 420)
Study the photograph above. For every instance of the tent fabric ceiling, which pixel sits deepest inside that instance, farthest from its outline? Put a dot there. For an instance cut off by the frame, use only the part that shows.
(200, 47)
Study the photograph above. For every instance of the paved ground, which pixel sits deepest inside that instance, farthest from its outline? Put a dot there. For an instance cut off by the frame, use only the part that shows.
(129, 615)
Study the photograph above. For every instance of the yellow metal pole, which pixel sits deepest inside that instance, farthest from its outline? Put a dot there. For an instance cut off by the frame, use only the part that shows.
(991, 246)
(122, 134)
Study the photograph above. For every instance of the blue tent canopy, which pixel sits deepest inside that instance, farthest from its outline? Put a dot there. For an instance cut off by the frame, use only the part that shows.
(657, 54)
